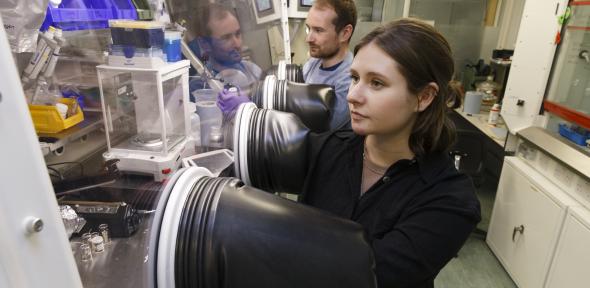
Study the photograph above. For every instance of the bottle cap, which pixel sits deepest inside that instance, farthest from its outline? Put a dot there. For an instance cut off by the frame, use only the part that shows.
(50, 32)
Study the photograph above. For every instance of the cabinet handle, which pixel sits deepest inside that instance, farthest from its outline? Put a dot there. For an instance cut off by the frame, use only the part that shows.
(519, 229)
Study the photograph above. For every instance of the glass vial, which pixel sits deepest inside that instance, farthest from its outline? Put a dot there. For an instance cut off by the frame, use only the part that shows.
(104, 232)
(86, 238)
(85, 252)
(97, 244)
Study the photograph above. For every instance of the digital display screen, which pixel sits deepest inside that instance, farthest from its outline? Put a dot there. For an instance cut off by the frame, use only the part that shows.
(306, 3)
(263, 5)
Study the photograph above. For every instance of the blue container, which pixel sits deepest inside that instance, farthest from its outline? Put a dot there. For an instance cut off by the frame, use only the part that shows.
(137, 37)
(87, 14)
(124, 9)
(578, 137)
(172, 46)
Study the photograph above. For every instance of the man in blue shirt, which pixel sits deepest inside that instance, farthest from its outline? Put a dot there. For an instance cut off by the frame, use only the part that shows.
(330, 24)
(218, 43)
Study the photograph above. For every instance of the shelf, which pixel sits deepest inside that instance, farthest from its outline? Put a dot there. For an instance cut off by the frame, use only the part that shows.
(92, 122)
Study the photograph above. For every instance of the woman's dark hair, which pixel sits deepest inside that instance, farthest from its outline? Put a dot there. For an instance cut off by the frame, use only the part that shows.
(424, 56)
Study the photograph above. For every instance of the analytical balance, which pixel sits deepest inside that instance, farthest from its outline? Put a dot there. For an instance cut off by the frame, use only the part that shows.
(146, 117)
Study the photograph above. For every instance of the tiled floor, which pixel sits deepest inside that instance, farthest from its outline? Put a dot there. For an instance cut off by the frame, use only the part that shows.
(476, 266)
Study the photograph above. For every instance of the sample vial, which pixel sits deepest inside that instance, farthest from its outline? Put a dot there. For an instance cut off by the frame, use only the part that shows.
(97, 244)
(86, 238)
(104, 232)
(85, 252)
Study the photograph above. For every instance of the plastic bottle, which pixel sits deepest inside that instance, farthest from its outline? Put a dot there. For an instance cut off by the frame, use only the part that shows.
(50, 67)
(494, 114)
(45, 93)
(490, 92)
(41, 54)
(488, 86)
(195, 124)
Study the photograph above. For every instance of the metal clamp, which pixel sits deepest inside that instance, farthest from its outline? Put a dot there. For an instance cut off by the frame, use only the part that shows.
(519, 229)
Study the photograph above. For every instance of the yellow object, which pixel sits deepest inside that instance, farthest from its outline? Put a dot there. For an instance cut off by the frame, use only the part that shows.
(135, 24)
(47, 119)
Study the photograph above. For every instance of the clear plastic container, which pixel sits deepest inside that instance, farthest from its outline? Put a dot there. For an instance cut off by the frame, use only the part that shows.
(209, 114)
(130, 52)
(139, 34)
(215, 161)
(195, 124)
(216, 137)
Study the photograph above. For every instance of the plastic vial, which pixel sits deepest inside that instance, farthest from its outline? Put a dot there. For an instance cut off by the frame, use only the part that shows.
(494, 114)
(104, 232)
(216, 137)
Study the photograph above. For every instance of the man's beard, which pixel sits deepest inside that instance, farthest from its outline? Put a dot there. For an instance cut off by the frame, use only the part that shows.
(324, 54)
(227, 60)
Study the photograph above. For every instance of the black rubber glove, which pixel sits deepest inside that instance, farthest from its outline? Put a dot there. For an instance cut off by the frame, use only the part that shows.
(232, 235)
(271, 150)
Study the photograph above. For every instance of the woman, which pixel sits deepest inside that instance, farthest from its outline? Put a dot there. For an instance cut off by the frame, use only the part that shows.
(392, 173)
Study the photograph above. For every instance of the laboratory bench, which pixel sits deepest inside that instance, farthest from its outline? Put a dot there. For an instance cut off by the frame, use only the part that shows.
(492, 139)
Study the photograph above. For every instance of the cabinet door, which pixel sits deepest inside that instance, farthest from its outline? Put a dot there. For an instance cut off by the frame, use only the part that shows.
(525, 223)
(572, 257)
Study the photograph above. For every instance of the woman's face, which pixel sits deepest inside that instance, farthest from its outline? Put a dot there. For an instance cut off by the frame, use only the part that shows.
(378, 97)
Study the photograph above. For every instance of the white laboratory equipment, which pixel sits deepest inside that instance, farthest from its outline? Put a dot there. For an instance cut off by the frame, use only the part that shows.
(146, 117)
(35, 249)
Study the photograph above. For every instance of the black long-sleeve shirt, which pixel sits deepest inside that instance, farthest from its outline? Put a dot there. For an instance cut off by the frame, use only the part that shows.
(417, 216)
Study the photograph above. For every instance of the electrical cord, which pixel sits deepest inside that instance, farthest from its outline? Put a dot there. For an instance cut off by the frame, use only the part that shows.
(51, 169)
(64, 163)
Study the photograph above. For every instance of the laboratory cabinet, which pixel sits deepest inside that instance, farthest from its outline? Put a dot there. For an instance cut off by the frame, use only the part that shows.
(569, 267)
(526, 221)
